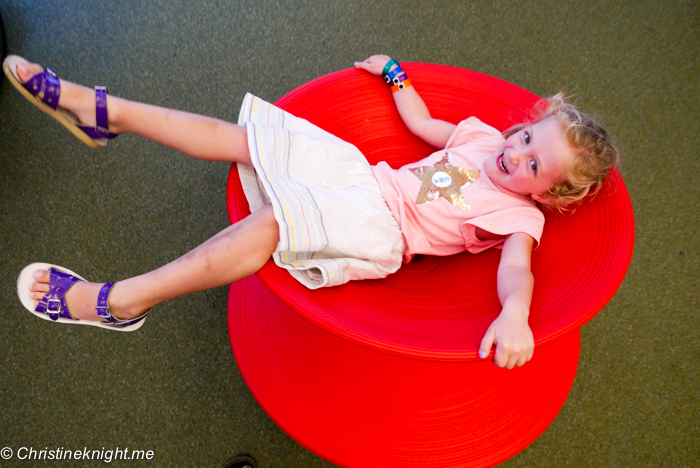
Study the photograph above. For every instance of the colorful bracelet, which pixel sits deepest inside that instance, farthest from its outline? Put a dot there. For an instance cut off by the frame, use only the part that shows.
(390, 77)
(399, 79)
(388, 66)
(403, 85)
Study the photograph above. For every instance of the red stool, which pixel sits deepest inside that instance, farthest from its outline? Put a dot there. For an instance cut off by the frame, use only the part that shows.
(386, 372)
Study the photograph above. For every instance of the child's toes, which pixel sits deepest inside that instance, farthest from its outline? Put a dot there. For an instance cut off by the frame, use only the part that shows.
(27, 70)
(38, 290)
(42, 276)
(41, 287)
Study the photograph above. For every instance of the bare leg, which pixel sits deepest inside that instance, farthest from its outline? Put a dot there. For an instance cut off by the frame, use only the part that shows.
(235, 253)
(195, 135)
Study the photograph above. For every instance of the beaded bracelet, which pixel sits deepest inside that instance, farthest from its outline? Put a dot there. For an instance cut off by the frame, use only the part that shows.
(402, 85)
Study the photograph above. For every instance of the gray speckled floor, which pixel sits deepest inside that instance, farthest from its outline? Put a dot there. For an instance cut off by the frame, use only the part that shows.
(173, 387)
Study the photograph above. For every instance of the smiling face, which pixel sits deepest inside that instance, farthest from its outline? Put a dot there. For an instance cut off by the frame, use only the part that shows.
(531, 160)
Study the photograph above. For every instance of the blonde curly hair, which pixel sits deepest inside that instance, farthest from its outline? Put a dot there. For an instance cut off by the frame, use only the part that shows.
(594, 153)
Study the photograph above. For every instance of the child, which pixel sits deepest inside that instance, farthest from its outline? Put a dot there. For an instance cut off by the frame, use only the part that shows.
(322, 212)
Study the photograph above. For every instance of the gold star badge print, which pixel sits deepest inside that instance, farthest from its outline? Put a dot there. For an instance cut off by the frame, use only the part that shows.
(444, 180)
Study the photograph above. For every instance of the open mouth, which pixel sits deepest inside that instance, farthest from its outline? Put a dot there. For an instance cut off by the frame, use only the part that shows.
(502, 164)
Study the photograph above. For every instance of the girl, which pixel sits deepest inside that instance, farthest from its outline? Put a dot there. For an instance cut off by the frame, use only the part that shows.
(322, 212)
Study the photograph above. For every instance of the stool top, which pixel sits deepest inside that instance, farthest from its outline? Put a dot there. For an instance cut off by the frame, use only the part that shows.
(438, 308)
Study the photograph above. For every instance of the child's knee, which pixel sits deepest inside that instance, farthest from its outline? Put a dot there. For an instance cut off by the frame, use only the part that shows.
(265, 217)
(240, 146)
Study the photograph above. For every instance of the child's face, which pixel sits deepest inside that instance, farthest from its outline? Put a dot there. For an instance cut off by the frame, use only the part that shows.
(532, 160)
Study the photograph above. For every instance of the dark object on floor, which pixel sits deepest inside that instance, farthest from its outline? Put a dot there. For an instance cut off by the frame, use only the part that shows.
(240, 462)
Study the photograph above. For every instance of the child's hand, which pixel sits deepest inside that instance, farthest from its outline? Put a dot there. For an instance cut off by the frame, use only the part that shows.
(375, 64)
(513, 338)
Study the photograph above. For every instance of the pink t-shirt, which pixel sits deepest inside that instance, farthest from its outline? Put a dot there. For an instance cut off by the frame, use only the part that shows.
(440, 200)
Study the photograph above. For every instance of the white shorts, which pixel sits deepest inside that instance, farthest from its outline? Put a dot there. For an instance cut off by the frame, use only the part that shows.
(334, 223)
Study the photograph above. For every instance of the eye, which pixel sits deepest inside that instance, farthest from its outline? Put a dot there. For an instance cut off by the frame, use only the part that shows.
(527, 138)
(533, 165)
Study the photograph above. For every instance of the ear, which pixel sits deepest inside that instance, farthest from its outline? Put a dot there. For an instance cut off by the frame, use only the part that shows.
(544, 198)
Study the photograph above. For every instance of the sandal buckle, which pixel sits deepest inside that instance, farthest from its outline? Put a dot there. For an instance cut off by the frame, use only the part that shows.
(101, 132)
(53, 306)
(103, 312)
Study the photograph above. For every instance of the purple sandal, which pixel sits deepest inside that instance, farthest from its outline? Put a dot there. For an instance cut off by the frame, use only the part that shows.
(53, 305)
(47, 82)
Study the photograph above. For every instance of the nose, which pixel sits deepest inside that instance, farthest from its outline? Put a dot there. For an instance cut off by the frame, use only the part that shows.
(516, 155)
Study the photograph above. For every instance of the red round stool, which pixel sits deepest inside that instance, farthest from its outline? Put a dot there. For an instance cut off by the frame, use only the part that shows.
(386, 372)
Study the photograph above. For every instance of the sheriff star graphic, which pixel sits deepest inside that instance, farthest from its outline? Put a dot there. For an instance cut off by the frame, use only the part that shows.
(444, 180)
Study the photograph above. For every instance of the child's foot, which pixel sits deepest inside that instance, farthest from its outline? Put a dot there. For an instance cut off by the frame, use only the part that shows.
(79, 100)
(81, 110)
(82, 299)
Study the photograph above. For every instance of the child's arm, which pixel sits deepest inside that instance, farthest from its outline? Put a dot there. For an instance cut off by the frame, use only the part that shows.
(411, 107)
(510, 332)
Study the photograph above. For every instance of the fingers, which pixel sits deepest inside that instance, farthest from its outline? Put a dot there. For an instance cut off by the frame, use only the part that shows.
(362, 65)
(374, 64)
(380, 59)
(505, 356)
(487, 342)
(510, 358)
(369, 65)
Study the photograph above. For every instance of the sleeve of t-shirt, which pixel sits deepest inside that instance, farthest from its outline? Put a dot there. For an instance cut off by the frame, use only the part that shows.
(469, 130)
(504, 222)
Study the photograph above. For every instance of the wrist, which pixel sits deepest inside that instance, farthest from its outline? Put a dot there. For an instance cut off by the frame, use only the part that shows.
(395, 77)
(390, 65)
(514, 309)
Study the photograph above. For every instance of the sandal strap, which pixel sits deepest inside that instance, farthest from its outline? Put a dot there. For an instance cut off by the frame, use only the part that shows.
(103, 311)
(117, 323)
(48, 83)
(102, 307)
(102, 122)
(101, 129)
(54, 303)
